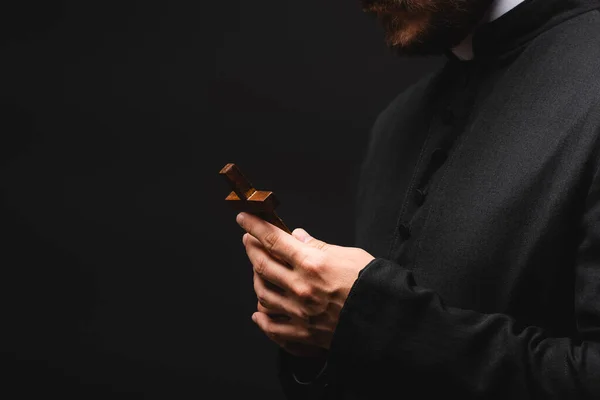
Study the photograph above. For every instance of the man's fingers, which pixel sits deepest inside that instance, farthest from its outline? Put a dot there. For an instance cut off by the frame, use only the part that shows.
(304, 237)
(278, 315)
(266, 266)
(281, 332)
(275, 301)
(301, 235)
(269, 310)
(281, 244)
(295, 348)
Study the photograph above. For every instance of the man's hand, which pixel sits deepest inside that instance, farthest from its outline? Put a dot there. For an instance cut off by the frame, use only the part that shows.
(301, 277)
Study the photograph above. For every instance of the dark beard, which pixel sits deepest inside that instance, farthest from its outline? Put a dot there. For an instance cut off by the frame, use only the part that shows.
(426, 27)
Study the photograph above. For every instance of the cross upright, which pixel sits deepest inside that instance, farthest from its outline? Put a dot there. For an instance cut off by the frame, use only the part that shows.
(244, 197)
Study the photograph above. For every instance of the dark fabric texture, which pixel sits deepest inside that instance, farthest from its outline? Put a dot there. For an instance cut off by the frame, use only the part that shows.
(479, 196)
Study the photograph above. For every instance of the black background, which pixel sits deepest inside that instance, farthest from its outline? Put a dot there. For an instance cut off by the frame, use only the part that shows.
(123, 274)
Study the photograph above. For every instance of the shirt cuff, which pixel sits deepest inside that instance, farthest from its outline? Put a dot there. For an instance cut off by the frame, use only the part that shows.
(303, 378)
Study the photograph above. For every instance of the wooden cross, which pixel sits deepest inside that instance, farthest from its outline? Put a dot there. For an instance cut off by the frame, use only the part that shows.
(244, 197)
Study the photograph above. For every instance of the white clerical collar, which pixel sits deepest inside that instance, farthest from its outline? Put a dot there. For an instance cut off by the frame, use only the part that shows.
(464, 50)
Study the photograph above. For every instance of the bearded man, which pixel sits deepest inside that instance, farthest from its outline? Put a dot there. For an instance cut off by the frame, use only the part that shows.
(476, 269)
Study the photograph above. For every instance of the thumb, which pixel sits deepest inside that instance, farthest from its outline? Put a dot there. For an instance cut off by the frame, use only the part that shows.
(301, 235)
(304, 237)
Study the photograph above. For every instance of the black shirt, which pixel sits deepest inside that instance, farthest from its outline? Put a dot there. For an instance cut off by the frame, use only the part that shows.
(479, 195)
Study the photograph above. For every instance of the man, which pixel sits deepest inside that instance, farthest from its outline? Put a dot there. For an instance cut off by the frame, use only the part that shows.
(476, 270)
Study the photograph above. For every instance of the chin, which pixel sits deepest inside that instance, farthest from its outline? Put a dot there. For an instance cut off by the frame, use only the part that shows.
(411, 34)
(424, 43)
(426, 27)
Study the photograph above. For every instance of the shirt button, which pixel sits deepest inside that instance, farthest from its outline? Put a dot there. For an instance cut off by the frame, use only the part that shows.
(420, 197)
(404, 231)
(438, 156)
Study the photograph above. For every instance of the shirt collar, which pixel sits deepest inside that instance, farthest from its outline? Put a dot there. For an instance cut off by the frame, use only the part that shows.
(510, 32)
(464, 51)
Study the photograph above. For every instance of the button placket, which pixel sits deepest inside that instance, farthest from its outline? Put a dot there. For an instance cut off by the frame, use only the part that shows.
(439, 156)
(420, 195)
(404, 230)
(446, 122)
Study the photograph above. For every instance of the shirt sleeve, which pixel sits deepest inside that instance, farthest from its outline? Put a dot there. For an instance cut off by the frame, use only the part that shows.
(394, 336)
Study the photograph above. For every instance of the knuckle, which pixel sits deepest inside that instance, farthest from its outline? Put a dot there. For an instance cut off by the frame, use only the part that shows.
(271, 240)
(306, 334)
(308, 264)
(272, 333)
(304, 292)
(260, 266)
(312, 264)
(262, 301)
(299, 290)
(321, 245)
(304, 315)
(260, 307)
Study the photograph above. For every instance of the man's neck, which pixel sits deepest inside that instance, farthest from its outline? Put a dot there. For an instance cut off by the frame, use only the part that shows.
(464, 50)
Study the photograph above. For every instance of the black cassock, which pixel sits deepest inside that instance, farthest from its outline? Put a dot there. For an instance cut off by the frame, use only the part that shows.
(480, 197)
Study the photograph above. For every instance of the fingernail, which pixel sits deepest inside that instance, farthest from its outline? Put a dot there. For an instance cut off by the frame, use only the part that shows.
(254, 318)
(304, 236)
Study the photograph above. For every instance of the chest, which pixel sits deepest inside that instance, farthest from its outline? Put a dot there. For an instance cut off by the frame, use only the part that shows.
(479, 197)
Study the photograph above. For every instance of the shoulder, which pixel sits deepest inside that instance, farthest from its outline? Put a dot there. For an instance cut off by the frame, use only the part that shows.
(406, 101)
(403, 112)
(567, 56)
